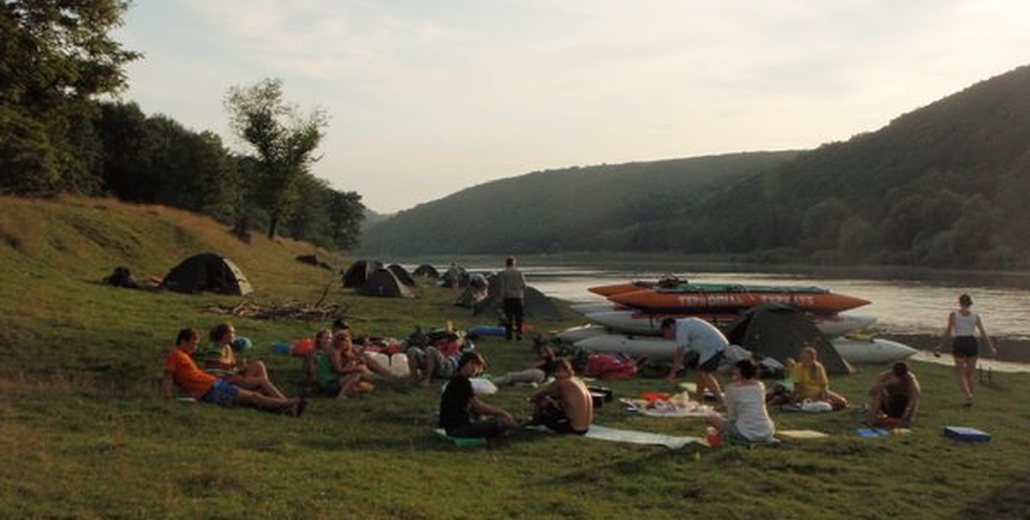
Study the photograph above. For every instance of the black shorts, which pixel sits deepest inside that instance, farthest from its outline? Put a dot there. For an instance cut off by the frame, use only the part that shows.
(492, 427)
(895, 406)
(712, 364)
(965, 347)
(553, 417)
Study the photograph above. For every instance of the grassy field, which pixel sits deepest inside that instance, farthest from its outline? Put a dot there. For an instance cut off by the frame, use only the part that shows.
(84, 433)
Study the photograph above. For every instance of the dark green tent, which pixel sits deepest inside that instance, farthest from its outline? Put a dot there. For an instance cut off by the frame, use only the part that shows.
(207, 272)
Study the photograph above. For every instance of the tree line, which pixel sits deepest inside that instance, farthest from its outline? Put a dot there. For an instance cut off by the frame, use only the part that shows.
(61, 133)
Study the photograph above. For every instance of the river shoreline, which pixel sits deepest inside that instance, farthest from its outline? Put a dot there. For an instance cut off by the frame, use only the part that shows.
(1010, 350)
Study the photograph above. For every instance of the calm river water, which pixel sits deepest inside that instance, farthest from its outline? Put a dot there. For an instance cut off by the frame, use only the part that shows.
(901, 306)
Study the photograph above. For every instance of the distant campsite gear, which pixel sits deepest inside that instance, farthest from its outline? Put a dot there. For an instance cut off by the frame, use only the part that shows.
(207, 272)
(241, 344)
(426, 270)
(402, 274)
(359, 272)
(383, 283)
(779, 332)
(122, 277)
(315, 260)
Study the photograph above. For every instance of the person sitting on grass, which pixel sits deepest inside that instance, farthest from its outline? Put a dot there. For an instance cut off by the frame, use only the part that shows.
(181, 371)
(433, 362)
(537, 373)
(746, 418)
(895, 396)
(370, 361)
(811, 381)
(565, 405)
(318, 372)
(462, 412)
(235, 369)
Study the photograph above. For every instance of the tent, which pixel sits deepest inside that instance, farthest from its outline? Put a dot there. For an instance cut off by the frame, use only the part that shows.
(207, 272)
(535, 303)
(402, 274)
(359, 272)
(427, 270)
(383, 283)
(454, 276)
(779, 332)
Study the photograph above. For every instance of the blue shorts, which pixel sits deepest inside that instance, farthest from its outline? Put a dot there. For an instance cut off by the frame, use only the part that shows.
(223, 393)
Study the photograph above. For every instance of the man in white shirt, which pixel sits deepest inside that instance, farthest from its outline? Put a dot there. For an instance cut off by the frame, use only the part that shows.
(707, 341)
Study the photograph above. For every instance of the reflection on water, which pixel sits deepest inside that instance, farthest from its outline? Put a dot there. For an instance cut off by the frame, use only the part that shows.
(901, 306)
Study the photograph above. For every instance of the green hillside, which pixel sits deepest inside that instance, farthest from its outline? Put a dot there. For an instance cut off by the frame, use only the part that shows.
(609, 207)
(941, 186)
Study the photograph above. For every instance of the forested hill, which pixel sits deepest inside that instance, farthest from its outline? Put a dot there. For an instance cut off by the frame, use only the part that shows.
(946, 185)
(574, 209)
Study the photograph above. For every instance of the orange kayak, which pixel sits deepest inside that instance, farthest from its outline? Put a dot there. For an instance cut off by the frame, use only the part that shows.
(730, 298)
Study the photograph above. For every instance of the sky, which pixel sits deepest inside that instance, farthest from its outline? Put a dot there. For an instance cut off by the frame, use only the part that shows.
(429, 97)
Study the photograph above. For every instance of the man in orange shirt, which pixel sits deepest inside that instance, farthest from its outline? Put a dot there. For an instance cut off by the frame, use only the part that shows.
(182, 371)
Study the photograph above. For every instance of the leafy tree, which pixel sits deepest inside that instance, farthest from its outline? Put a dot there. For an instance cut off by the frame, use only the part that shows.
(55, 56)
(284, 139)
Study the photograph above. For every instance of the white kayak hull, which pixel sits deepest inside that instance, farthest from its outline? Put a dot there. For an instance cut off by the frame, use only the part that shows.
(634, 322)
(588, 307)
(872, 351)
(634, 346)
(574, 334)
(858, 351)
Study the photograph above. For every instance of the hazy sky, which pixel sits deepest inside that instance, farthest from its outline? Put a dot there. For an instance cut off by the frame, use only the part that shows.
(427, 97)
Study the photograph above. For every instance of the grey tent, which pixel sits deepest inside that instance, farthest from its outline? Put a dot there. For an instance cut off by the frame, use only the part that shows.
(535, 304)
(359, 272)
(426, 270)
(402, 274)
(779, 332)
(207, 272)
(383, 283)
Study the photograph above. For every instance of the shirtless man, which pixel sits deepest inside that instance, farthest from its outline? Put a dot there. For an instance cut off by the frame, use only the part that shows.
(895, 394)
(565, 405)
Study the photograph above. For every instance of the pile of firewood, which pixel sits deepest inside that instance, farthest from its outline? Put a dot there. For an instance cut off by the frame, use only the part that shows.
(285, 311)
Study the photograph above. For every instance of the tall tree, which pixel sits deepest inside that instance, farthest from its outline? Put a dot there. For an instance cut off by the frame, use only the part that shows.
(284, 139)
(55, 57)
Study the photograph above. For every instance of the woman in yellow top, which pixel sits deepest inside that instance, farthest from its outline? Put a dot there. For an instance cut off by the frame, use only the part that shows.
(811, 382)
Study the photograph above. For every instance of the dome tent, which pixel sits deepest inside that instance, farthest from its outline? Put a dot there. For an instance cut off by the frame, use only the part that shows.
(779, 332)
(385, 284)
(207, 272)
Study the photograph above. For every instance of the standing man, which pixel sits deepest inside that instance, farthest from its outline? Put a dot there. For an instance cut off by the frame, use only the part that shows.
(707, 341)
(513, 290)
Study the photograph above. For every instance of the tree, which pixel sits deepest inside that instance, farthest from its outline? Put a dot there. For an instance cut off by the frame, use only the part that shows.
(284, 139)
(55, 57)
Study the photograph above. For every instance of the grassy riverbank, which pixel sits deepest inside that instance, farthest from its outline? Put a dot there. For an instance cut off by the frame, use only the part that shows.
(84, 434)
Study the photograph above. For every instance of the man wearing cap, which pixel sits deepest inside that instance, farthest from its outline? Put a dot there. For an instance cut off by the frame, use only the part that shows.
(703, 338)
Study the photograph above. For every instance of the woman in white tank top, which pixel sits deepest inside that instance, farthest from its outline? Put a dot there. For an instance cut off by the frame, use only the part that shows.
(963, 325)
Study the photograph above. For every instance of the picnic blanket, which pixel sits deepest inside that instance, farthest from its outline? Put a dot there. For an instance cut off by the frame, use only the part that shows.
(605, 433)
(801, 434)
(664, 408)
(638, 437)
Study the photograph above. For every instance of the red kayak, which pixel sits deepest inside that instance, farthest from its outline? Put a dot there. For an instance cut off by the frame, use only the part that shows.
(690, 298)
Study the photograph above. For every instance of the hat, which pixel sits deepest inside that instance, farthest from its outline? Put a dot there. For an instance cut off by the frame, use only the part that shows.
(340, 324)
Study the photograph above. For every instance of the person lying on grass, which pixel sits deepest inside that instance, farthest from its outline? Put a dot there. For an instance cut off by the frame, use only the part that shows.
(462, 412)
(894, 397)
(182, 372)
(746, 416)
(565, 405)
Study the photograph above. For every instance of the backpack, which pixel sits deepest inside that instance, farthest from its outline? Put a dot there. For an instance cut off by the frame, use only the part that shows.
(611, 366)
